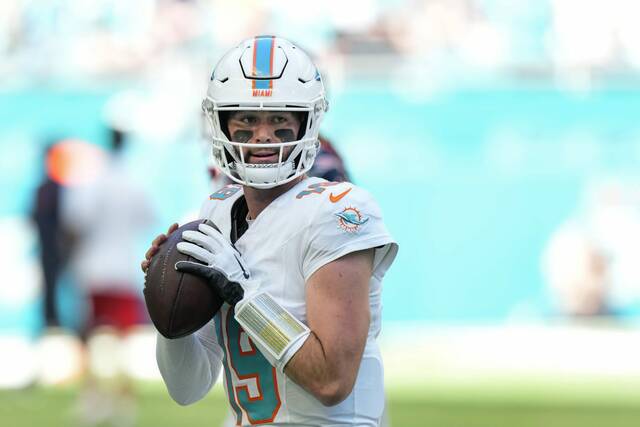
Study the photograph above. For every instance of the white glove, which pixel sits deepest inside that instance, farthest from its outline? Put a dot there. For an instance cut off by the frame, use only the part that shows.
(222, 266)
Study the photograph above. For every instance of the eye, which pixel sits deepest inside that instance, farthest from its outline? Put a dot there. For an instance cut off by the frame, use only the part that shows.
(278, 119)
(248, 120)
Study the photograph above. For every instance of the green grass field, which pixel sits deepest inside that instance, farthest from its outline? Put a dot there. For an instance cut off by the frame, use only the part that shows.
(513, 406)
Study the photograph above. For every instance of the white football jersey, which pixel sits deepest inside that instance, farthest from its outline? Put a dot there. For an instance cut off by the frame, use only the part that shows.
(312, 224)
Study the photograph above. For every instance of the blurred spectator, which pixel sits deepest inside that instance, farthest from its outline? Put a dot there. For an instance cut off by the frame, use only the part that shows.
(329, 164)
(591, 262)
(55, 241)
(575, 271)
(107, 215)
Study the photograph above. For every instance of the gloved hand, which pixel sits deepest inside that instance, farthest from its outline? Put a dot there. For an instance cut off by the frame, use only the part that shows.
(274, 330)
(222, 265)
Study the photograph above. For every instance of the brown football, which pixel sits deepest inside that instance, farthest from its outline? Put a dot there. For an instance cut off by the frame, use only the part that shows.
(178, 303)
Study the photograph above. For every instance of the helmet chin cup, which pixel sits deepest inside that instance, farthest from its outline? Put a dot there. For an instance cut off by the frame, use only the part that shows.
(288, 82)
(264, 175)
(267, 175)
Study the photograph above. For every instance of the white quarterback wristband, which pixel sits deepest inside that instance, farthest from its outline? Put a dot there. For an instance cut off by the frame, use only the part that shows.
(272, 327)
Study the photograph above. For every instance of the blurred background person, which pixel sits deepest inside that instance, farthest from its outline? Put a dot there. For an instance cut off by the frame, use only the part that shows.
(591, 261)
(55, 242)
(107, 216)
(329, 164)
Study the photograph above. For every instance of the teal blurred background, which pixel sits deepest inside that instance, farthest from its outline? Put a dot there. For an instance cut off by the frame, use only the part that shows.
(473, 180)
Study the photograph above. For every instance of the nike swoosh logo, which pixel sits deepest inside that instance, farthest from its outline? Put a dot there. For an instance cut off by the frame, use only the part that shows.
(336, 199)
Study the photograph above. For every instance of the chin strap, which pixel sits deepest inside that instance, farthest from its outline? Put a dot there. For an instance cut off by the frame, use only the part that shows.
(276, 332)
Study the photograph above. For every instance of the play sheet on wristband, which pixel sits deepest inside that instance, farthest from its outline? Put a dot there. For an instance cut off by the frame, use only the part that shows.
(269, 323)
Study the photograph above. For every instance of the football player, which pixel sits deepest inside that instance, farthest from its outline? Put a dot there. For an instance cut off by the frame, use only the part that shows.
(298, 260)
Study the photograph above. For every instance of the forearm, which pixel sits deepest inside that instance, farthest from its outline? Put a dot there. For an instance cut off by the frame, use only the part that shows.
(188, 368)
(322, 372)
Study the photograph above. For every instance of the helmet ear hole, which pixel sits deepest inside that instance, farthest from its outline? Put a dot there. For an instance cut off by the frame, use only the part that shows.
(302, 118)
(228, 156)
(224, 122)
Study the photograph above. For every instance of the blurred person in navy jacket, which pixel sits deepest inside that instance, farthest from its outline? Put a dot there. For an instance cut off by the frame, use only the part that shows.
(55, 241)
(329, 164)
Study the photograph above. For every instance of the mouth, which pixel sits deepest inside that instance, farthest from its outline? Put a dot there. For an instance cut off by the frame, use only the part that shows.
(262, 156)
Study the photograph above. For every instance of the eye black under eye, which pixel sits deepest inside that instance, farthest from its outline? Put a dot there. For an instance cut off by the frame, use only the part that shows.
(241, 135)
(285, 135)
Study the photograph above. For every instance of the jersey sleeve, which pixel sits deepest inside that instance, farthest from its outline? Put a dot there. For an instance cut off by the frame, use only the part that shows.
(347, 220)
(190, 365)
(207, 208)
(218, 206)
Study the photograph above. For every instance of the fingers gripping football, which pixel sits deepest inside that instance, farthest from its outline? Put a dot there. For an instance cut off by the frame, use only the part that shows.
(222, 265)
(209, 246)
(155, 247)
(208, 241)
(198, 252)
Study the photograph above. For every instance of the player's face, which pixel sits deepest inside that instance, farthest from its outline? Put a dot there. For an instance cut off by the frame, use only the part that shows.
(263, 127)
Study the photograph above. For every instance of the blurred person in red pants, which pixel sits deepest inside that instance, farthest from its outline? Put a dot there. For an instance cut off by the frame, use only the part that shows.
(107, 216)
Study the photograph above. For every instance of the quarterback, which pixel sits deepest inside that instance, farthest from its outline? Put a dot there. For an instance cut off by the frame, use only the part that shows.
(299, 261)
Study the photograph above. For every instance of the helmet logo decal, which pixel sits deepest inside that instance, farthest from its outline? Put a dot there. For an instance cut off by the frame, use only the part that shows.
(263, 51)
(262, 92)
(350, 219)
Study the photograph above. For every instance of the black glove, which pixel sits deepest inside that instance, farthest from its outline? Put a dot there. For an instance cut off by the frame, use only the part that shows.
(229, 291)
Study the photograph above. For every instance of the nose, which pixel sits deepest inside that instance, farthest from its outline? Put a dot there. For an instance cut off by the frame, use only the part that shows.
(263, 134)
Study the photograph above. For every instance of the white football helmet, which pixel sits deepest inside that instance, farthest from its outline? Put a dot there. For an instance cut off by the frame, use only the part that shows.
(265, 73)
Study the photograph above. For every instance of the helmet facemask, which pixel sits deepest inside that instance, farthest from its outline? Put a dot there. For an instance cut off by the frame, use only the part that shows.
(294, 157)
